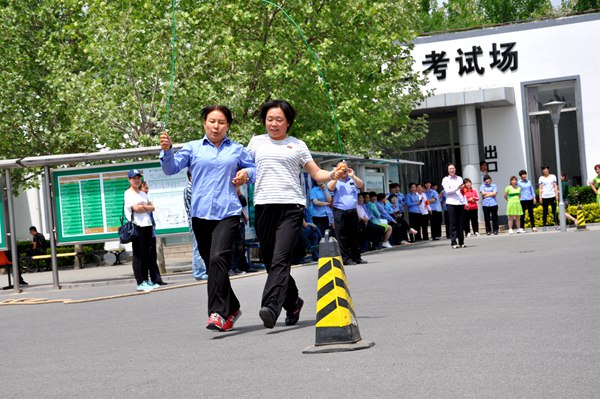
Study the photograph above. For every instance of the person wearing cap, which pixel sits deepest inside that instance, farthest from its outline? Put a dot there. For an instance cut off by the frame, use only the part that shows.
(138, 209)
(218, 164)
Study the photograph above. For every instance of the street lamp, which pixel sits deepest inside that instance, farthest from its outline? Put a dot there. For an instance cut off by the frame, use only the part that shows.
(554, 108)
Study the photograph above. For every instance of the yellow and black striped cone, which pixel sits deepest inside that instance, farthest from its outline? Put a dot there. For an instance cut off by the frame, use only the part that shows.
(336, 326)
(580, 219)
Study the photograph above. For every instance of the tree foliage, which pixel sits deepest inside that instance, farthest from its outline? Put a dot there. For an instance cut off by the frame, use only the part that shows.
(81, 75)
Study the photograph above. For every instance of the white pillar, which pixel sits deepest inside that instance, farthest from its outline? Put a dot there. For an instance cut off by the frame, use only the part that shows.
(469, 147)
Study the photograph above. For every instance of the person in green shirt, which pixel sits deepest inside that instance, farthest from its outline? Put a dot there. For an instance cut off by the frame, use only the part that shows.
(596, 183)
(512, 194)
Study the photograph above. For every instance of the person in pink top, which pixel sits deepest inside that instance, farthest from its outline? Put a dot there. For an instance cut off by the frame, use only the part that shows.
(472, 199)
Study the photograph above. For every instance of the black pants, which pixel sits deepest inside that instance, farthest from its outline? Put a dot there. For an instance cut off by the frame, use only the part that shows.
(447, 222)
(490, 216)
(436, 224)
(277, 228)
(527, 205)
(400, 230)
(455, 218)
(414, 219)
(471, 218)
(346, 227)
(322, 223)
(216, 244)
(239, 261)
(424, 223)
(546, 202)
(144, 256)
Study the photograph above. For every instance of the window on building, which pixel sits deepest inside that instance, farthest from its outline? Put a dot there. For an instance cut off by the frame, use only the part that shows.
(541, 129)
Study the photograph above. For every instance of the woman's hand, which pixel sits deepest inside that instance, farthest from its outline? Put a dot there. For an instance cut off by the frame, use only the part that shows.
(165, 141)
(241, 178)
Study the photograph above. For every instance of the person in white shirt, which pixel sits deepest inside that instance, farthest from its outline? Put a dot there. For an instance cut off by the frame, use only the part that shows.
(455, 203)
(548, 192)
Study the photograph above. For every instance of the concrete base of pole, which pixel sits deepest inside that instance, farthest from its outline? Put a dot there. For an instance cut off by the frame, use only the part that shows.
(362, 344)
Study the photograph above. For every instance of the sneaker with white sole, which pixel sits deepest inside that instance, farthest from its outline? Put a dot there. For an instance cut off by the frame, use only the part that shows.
(215, 322)
(510, 231)
(520, 231)
(468, 235)
(534, 229)
(476, 234)
(228, 325)
(386, 244)
(144, 287)
(153, 285)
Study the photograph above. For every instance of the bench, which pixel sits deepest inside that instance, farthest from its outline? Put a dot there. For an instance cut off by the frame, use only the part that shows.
(248, 245)
(117, 252)
(99, 255)
(79, 256)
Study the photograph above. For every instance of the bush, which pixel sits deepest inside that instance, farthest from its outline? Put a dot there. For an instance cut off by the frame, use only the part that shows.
(581, 195)
(591, 213)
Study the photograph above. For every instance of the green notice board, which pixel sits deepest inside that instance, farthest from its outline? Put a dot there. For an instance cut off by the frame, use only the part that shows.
(89, 201)
(2, 230)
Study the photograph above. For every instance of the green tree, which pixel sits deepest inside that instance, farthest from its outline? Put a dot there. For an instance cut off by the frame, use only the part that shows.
(501, 11)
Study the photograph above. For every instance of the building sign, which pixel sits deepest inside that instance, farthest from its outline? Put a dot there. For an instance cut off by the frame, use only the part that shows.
(503, 57)
(491, 158)
(375, 181)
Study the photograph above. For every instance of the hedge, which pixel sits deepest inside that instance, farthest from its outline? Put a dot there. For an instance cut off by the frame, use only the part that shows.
(590, 211)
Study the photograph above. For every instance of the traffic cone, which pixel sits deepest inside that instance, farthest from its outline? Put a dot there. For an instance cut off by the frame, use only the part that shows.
(336, 325)
(580, 219)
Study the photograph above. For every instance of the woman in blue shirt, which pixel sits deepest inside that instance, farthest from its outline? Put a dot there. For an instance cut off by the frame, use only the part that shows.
(414, 213)
(218, 165)
(321, 200)
(489, 205)
(527, 199)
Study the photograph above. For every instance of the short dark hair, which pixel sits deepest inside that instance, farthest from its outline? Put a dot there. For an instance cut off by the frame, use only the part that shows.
(522, 172)
(545, 167)
(486, 177)
(394, 185)
(481, 163)
(223, 109)
(513, 177)
(564, 173)
(392, 196)
(427, 181)
(380, 196)
(286, 107)
(32, 228)
(372, 194)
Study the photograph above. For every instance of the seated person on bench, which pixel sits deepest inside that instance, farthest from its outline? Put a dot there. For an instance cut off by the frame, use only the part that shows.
(39, 244)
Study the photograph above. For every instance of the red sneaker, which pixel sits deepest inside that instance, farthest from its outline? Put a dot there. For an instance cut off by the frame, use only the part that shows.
(228, 325)
(215, 322)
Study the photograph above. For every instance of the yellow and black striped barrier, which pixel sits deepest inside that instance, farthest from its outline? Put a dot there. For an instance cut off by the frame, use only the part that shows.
(580, 219)
(336, 325)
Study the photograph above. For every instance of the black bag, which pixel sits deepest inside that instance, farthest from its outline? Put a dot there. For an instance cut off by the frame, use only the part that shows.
(128, 231)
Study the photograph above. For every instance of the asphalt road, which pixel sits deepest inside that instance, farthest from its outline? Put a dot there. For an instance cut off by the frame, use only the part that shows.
(506, 317)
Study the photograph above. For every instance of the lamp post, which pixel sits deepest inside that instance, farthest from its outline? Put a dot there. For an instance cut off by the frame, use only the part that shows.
(554, 108)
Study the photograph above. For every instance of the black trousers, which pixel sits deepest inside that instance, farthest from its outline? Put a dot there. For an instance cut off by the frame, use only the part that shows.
(400, 230)
(436, 224)
(346, 227)
(144, 256)
(216, 244)
(414, 219)
(490, 216)
(527, 205)
(471, 217)
(277, 228)
(447, 222)
(322, 223)
(548, 202)
(455, 218)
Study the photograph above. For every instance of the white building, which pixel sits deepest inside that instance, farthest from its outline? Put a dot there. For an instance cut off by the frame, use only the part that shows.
(489, 86)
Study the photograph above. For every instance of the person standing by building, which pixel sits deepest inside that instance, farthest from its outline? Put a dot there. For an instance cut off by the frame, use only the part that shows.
(471, 208)
(218, 165)
(414, 213)
(436, 210)
(279, 206)
(198, 266)
(527, 199)
(512, 194)
(321, 201)
(595, 184)
(489, 205)
(548, 192)
(455, 203)
(137, 208)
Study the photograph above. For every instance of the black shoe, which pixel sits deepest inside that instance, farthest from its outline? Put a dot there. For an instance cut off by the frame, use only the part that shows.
(23, 282)
(161, 283)
(267, 316)
(495, 233)
(463, 246)
(349, 263)
(292, 318)
(362, 262)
